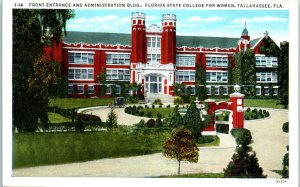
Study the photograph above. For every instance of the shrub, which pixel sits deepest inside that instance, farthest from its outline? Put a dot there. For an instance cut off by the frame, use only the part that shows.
(267, 114)
(206, 139)
(153, 106)
(149, 115)
(87, 117)
(132, 100)
(248, 110)
(261, 115)
(157, 102)
(285, 127)
(178, 100)
(160, 105)
(140, 107)
(159, 116)
(254, 110)
(150, 123)
(141, 113)
(111, 121)
(260, 111)
(222, 128)
(168, 106)
(146, 106)
(264, 111)
(128, 110)
(158, 123)
(247, 117)
(141, 124)
(285, 163)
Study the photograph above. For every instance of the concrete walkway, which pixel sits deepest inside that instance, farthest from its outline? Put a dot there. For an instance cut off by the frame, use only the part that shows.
(269, 144)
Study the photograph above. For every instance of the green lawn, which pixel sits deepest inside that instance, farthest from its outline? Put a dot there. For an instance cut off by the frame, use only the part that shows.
(263, 103)
(154, 111)
(67, 103)
(35, 149)
(57, 118)
(196, 175)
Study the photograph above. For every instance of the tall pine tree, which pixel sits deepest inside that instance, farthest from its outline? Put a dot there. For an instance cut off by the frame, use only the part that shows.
(32, 31)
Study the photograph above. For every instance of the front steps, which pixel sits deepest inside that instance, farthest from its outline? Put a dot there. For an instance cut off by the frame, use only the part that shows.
(165, 99)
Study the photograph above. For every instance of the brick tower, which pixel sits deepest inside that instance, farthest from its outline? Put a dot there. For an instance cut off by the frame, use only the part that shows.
(168, 42)
(138, 38)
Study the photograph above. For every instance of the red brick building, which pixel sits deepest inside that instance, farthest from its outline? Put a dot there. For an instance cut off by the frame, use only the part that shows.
(157, 58)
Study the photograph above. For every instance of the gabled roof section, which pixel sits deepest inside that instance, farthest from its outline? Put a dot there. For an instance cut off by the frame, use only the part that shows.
(206, 41)
(97, 37)
(255, 42)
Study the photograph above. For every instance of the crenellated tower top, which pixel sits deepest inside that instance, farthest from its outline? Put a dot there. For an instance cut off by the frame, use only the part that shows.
(138, 18)
(169, 20)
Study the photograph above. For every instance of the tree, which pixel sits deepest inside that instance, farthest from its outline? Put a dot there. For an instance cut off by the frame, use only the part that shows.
(112, 120)
(181, 146)
(243, 72)
(174, 119)
(244, 162)
(285, 160)
(193, 121)
(283, 74)
(201, 82)
(32, 31)
(179, 89)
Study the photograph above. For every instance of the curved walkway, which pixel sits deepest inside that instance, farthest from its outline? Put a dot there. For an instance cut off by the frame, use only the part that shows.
(269, 144)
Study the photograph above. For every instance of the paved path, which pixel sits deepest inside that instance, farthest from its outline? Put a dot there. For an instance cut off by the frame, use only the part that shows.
(269, 143)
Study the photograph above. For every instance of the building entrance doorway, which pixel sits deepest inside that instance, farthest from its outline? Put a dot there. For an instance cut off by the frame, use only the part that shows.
(153, 84)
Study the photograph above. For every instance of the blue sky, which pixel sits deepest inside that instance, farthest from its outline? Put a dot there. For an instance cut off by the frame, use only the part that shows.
(222, 23)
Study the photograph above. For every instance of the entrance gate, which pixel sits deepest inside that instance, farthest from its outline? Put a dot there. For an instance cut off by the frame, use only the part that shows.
(236, 105)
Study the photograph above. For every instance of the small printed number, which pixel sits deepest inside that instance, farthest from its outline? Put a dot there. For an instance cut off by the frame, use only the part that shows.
(280, 181)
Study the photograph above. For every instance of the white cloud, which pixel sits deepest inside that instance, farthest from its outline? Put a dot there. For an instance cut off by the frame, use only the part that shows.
(198, 19)
(262, 19)
(98, 23)
(151, 18)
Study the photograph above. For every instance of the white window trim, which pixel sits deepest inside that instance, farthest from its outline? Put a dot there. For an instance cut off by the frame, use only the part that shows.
(272, 58)
(81, 69)
(186, 55)
(267, 87)
(116, 53)
(209, 88)
(272, 74)
(71, 85)
(119, 69)
(81, 52)
(216, 56)
(256, 87)
(90, 85)
(189, 75)
(216, 71)
(80, 85)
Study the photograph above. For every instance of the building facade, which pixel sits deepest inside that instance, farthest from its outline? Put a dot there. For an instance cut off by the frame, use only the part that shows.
(157, 58)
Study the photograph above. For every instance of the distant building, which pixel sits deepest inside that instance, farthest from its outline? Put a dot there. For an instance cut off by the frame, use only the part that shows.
(157, 58)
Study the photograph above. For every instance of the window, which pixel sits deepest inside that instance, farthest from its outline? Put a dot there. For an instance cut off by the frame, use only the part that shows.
(81, 74)
(208, 90)
(225, 90)
(263, 61)
(118, 58)
(90, 89)
(267, 91)
(258, 90)
(153, 42)
(266, 77)
(185, 76)
(80, 89)
(217, 76)
(70, 89)
(184, 60)
(193, 91)
(121, 75)
(153, 58)
(216, 60)
(217, 90)
(81, 57)
(275, 90)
